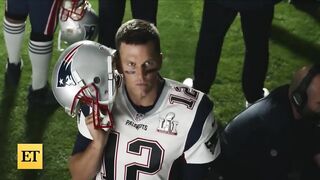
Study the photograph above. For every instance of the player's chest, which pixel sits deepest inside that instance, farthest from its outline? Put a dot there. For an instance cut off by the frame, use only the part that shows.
(129, 155)
(167, 122)
(163, 132)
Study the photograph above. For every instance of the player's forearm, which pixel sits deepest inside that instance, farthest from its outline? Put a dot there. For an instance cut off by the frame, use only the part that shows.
(86, 164)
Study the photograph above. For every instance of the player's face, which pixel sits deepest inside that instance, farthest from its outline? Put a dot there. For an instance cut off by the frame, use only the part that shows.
(140, 65)
(312, 110)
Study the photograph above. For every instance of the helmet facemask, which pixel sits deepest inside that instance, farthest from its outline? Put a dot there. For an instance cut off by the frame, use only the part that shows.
(73, 9)
(101, 110)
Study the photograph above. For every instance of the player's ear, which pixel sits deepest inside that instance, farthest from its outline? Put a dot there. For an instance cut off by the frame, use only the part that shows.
(117, 62)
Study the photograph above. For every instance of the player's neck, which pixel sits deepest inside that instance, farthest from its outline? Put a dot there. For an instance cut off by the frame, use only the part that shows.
(148, 99)
(144, 100)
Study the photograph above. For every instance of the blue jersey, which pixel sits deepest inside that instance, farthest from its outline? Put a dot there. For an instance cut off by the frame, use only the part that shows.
(43, 14)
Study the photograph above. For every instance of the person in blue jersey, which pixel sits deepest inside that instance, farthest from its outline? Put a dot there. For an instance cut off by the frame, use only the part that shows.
(43, 19)
(277, 137)
(162, 129)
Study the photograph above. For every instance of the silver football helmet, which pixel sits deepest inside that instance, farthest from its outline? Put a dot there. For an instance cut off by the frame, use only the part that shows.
(78, 21)
(84, 75)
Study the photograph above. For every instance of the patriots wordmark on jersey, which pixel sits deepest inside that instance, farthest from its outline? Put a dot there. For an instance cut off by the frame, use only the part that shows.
(145, 146)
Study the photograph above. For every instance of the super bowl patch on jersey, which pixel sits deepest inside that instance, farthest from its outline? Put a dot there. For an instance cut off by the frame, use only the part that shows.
(167, 124)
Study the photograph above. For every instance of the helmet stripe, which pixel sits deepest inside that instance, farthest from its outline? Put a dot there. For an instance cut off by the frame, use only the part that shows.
(71, 53)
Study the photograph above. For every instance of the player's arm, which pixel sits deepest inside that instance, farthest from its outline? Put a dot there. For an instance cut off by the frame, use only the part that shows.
(208, 150)
(203, 144)
(85, 164)
(196, 171)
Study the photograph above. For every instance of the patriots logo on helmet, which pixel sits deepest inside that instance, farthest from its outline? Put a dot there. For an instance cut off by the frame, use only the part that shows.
(64, 74)
(90, 30)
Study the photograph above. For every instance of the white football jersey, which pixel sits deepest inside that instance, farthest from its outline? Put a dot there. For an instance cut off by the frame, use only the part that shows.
(145, 146)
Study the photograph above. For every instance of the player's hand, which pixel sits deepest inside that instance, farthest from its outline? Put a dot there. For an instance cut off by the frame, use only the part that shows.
(100, 136)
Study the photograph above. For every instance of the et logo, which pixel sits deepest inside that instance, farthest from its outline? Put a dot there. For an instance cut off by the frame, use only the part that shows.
(29, 156)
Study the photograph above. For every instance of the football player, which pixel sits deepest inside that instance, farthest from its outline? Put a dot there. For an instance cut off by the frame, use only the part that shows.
(43, 19)
(161, 128)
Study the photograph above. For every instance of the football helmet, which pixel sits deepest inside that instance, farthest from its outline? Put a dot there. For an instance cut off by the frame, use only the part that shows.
(84, 75)
(78, 21)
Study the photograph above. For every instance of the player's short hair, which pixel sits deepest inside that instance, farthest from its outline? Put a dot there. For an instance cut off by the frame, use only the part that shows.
(137, 31)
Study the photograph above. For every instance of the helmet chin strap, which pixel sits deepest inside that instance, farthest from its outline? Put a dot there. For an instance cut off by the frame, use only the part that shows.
(110, 78)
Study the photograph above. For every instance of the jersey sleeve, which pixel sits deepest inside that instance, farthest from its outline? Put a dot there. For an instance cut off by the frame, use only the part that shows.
(202, 144)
